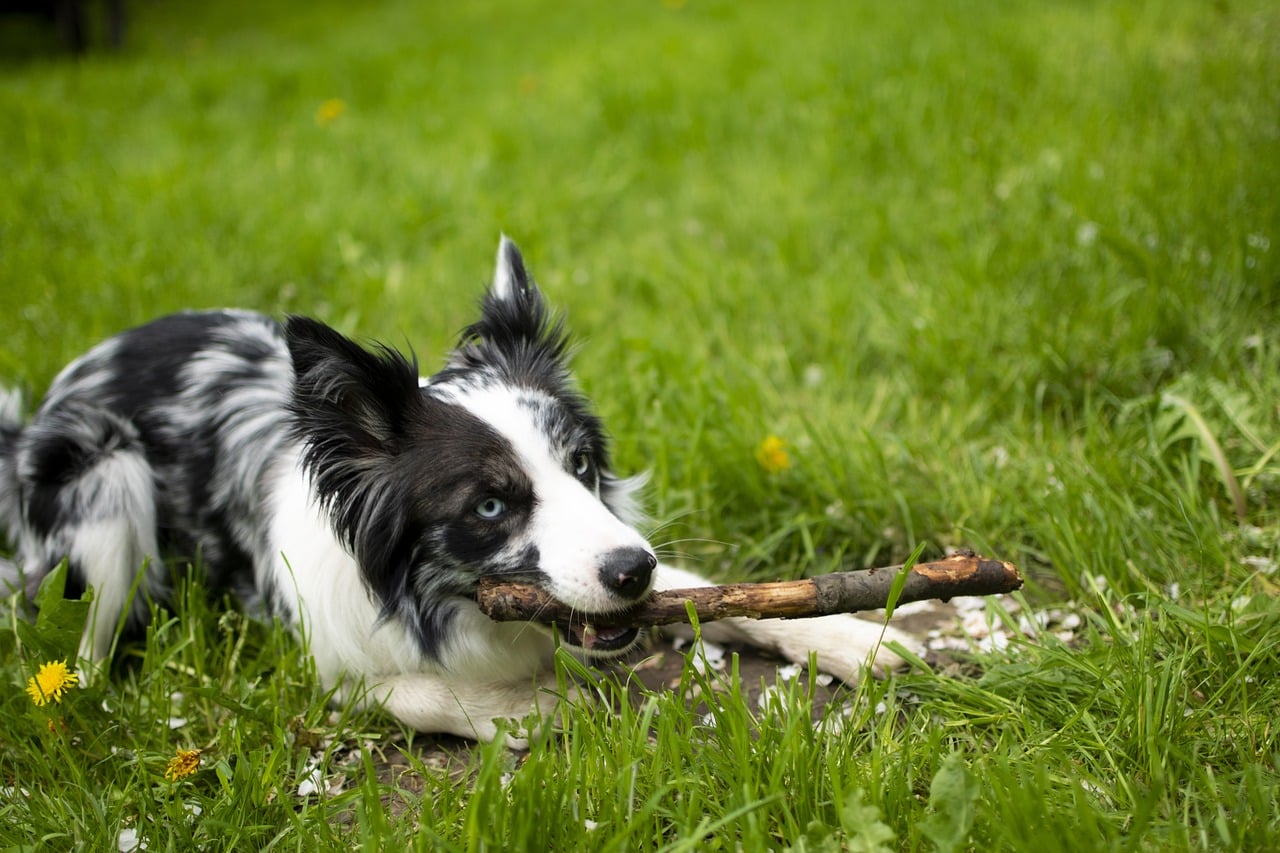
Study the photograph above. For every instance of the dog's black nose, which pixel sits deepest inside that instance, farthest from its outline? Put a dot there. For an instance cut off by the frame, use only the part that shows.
(628, 571)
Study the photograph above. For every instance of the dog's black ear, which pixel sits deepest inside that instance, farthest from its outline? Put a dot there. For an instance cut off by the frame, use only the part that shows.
(346, 399)
(349, 409)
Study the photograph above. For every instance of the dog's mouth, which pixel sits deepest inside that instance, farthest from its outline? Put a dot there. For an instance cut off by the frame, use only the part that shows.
(601, 634)
(596, 637)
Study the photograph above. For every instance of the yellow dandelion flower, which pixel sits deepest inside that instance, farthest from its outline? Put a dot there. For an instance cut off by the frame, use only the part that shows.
(772, 454)
(51, 682)
(330, 111)
(182, 765)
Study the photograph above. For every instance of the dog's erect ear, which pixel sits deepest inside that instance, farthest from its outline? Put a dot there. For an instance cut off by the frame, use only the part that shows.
(514, 307)
(346, 400)
(515, 333)
(511, 281)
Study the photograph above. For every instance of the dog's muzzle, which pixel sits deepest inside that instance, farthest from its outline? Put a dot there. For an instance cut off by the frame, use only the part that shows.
(628, 574)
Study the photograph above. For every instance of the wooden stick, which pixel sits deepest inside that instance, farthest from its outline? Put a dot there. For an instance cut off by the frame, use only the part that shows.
(963, 573)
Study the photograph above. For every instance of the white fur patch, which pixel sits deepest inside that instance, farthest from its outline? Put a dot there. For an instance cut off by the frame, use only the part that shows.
(111, 546)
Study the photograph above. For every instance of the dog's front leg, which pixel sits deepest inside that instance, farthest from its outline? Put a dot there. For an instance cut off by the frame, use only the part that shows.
(845, 645)
(473, 710)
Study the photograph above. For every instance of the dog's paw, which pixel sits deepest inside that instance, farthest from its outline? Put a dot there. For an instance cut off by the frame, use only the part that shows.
(845, 646)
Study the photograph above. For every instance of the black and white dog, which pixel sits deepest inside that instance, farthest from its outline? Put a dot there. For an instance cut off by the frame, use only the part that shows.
(332, 487)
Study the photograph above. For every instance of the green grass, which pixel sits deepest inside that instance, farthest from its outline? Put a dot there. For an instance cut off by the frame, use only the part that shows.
(1001, 275)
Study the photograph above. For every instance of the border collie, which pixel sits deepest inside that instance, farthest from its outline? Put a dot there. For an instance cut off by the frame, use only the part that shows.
(331, 487)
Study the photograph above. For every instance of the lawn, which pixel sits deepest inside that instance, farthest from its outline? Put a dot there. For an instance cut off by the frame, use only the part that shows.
(999, 275)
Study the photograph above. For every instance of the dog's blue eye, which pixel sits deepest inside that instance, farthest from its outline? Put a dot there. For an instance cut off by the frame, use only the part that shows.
(491, 508)
(582, 466)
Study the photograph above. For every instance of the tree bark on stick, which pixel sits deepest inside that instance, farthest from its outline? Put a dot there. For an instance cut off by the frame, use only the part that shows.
(963, 573)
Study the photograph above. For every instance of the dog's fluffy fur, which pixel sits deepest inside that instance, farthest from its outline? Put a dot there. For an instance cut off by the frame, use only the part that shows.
(330, 486)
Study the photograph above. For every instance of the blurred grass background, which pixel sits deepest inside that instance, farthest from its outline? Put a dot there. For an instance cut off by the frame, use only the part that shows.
(997, 274)
(916, 222)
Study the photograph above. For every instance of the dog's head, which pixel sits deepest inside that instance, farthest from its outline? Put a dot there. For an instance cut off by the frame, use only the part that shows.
(493, 467)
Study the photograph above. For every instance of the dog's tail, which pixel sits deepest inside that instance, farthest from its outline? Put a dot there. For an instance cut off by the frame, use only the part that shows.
(11, 424)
